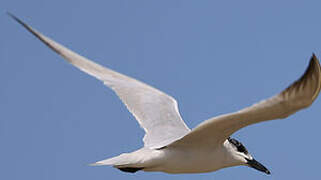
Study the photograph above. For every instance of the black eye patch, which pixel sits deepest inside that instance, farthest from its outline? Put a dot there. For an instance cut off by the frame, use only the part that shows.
(238, 145)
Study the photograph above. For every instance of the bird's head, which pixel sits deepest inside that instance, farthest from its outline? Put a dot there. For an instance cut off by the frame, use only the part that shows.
(242, 156)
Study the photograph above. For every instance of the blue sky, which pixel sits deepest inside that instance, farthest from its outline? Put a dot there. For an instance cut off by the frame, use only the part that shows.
(214, 57)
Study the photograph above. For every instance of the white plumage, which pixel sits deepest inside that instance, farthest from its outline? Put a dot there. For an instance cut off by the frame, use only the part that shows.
(169, 145)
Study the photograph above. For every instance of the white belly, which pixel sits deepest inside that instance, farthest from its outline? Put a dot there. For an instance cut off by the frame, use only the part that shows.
(186, 160)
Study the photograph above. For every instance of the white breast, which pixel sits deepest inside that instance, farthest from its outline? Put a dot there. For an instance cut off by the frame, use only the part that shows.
(188, 160)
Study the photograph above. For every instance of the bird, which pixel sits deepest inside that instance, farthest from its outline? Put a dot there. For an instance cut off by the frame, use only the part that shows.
(169, 145)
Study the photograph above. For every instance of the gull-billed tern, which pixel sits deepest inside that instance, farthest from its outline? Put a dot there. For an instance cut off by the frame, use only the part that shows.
(169, 145)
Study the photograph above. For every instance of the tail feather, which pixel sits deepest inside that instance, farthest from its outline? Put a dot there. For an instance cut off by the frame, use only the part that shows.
(114, 161)
(128, 162)
(121, 162)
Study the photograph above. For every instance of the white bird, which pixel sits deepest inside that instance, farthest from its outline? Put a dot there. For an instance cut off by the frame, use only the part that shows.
(169, 145)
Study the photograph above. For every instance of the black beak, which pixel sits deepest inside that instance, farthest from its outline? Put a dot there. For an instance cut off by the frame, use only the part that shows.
(258, 166)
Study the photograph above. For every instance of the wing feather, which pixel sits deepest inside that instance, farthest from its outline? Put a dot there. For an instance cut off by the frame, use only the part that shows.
(297, 96)
(156, 112)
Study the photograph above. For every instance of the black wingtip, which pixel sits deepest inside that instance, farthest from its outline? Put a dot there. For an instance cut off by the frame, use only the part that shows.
(312, 67)
(314, 60)
(314, 56)
(9, 13)
(17, 19)
(13, 17)
(35, 33)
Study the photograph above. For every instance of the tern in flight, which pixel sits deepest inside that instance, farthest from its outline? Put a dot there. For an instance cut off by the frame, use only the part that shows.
(169, 145)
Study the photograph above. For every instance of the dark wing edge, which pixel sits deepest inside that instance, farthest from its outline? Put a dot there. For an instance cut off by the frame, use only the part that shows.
(299, 95)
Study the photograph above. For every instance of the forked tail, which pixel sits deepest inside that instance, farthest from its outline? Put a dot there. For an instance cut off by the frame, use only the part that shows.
(126, 162)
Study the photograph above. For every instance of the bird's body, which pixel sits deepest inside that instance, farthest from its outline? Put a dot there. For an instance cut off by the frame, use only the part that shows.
(186, 160)
(175, 160)
(169, 145)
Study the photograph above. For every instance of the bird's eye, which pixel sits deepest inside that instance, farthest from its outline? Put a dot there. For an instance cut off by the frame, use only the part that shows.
(239, 146)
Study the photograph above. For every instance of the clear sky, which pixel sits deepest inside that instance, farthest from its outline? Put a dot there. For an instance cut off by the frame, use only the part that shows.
(214, 57)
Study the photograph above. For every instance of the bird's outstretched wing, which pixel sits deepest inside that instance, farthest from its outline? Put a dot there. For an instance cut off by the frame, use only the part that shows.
(298, 95)
(156, 112)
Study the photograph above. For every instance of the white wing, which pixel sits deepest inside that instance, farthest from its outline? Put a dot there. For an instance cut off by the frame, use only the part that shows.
(299, 95)
(156, 112)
